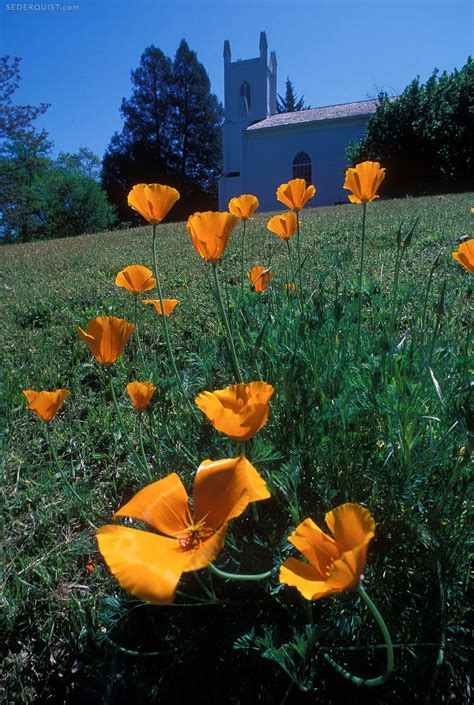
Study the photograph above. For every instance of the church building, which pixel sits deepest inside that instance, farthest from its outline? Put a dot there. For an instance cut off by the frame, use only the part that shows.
(263, 148)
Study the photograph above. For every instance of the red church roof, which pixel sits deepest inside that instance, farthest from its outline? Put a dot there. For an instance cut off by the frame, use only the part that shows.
(328, 112)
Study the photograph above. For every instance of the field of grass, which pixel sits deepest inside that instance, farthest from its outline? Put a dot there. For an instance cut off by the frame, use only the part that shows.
(389, 428)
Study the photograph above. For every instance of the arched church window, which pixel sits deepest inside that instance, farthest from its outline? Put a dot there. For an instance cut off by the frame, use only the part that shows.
(302, 167)
(245, 91)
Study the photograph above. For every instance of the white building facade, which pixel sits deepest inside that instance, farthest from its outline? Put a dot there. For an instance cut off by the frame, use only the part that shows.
(263, 148)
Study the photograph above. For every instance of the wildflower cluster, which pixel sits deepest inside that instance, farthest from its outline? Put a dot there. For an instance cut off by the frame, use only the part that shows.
(186, 534)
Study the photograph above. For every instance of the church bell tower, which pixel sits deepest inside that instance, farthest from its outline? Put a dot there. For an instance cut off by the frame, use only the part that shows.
(249, 96)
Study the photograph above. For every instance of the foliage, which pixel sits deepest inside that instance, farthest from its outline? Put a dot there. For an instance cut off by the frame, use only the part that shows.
(390, 429)
(170, 132)
(14, 119)
(84, 161)
(290, 103)
(435, 122)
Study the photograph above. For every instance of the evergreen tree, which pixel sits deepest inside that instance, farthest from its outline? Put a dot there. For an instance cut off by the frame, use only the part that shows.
(141, 152)
(170, 135)
(195, 125)
(290, 103)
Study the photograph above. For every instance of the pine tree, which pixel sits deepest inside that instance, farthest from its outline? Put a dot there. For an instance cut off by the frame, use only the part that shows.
(15, 120)
(171, 133)
(195, 125)
(290, 104)
(141, 152)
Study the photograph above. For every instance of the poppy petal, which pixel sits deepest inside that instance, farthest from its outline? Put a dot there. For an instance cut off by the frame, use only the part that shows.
(224, 488)
(305, 578)
(162, 505)
(319, 548)
(345, 573)
(146, 565)
(207, 551)
(351, 525)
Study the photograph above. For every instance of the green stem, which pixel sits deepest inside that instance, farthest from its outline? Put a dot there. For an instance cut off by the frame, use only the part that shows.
(379, 680)
(238, 576)
(361, 269)
(57, 464)
(164, 324)
(242, 260)
(156, 450)
(225, 321)
(298, 297)
(137, 331)
(142, 447)
(123, 427)
(298, 246)
(428, 287)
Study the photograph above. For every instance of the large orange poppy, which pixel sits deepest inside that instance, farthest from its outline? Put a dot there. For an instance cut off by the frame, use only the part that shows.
(295, 194)
(364, 180)
(153, 201)
(243, 206)
(334, 564)
(45, 404)
(239, 411)
(149, 565)
(106, 337)
(210, 232)
(136, 278)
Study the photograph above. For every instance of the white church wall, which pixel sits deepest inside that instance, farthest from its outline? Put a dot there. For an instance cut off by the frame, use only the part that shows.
(269, 154)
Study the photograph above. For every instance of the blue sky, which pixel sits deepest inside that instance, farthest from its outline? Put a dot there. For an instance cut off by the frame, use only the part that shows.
(335, 51)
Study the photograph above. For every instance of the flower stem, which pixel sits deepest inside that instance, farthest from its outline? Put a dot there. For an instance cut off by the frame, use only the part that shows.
(398, 261)
(225, 321)
(238, 576)
(137, 332)
(164, 324)
(242, 260)
(379, 680)
(298, 246)
(123, 427)
(298, 297)
(361, 269)
(142, 447)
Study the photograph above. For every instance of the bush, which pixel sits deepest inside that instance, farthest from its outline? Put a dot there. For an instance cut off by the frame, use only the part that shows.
(425, 137)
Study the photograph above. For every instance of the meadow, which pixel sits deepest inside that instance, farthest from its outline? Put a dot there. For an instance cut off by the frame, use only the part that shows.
(387, 426)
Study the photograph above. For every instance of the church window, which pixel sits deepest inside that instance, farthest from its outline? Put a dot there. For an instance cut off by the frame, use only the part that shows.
(245, 91)
(302, 167)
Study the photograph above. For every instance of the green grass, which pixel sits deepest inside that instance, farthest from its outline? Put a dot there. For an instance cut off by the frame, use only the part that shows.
(389, 430)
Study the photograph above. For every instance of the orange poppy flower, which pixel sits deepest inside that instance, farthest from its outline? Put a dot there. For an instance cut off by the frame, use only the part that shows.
(239, 411)
(153, 201)
(258, 280)
(465, 255)
(283, 225)
(295, 194)
(140, 393)
(136, 279)
(364, 181)
(168, 304)
(149, 565)
(106, 337)
(291, 286)
(45, 404)
(210, 232)
(244, 206)
(334, 564)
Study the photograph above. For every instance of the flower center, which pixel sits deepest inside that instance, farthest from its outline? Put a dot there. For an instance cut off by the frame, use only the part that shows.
(191, 538)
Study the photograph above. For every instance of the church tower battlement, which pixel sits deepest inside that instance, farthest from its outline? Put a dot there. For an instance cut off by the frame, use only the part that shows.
(250, 92)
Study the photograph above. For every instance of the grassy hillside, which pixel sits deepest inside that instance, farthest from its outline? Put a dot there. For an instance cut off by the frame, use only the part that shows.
(390, 430)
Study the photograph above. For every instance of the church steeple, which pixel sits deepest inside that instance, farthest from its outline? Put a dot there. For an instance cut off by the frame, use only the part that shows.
(249, 96)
